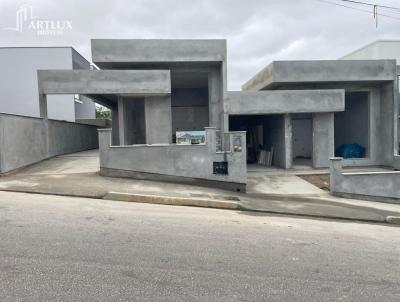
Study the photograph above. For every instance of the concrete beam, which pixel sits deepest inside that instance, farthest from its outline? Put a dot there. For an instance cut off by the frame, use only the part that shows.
(157, 50)
(284, 101)
(131, 82)
(323, 139)
(292, 72)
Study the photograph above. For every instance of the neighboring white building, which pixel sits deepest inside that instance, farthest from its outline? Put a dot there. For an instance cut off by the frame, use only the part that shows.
(18, 82)
(380, 49)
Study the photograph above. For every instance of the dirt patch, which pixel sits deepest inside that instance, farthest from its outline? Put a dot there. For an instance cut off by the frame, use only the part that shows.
(321, 181)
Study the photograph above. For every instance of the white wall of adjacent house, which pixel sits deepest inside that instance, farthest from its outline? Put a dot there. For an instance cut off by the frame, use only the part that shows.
(19, 85)
(378, 50)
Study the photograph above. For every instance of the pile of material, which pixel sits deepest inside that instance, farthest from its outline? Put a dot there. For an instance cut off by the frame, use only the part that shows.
(350, 151)
(265, 157)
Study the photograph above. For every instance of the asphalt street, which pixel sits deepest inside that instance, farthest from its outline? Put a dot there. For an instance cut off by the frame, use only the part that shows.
(74, 249)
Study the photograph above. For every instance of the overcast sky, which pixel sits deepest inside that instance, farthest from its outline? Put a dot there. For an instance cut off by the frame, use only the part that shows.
(257, 31)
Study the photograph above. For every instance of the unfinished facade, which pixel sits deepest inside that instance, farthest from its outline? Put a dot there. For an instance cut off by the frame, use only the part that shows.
(368, 109)
(158, 89)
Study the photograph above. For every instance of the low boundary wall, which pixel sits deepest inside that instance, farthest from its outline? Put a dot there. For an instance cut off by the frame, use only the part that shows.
(28, 140)
(191, 164)
(378, 186)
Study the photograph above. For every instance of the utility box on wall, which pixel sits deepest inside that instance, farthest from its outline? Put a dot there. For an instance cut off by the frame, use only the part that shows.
(220, 168)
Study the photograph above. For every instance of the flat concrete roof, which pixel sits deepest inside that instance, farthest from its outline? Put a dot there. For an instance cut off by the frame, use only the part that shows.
(129, 82)
(120, 52)
(45, 47)
(284, 101)
(294, 72)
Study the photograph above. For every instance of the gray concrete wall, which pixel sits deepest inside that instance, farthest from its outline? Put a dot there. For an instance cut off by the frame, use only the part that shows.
(158, 120)
(135, 126)
(277, 133)
(194, 162)
(189, 109)
(64, 138)
(283, 72)
(302, 133)
(292, 101)
(104, 82)
(157, 50)
(27, 140)
(377, 185)
(323, 139)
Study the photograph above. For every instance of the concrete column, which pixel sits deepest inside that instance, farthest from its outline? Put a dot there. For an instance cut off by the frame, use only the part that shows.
(388, 115)
(215, 104)
(43, 106)
(211, 135)
(335, 169)
(115, 125)
(121, 121)
(336, 164)
(287, 122)
(323, 139)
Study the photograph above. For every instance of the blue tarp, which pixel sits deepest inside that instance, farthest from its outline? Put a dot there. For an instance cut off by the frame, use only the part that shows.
(350, 151)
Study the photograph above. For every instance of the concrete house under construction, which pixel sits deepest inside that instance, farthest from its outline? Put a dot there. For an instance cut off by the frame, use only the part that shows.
(299, 112)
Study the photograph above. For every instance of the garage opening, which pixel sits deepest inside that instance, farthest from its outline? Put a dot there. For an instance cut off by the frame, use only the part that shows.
(302, 143)
(265, 138)
(352, 126)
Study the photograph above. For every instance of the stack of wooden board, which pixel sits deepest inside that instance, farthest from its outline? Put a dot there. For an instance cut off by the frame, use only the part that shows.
(265, 157)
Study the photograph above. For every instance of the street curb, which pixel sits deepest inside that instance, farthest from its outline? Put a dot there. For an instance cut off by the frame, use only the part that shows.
(317, 216)
(169, 200)
(209, 203)
(393, 219)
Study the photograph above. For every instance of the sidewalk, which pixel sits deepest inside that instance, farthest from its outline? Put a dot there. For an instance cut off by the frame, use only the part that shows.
(77, 175)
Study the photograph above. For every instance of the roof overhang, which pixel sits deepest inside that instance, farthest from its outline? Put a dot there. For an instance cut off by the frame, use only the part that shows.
(284, 101)
(334, 71)
(95, 82)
